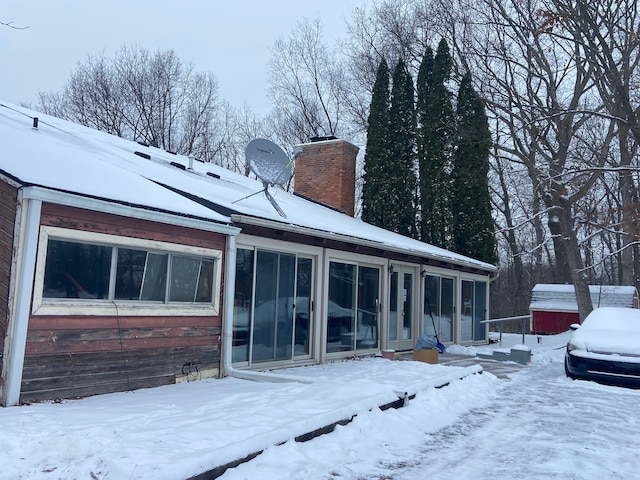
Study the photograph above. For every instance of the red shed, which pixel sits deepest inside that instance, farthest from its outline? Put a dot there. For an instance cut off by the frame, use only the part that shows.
(554, 308)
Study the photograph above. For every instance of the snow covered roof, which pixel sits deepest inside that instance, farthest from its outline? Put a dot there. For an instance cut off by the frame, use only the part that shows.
(562, 298)
(69, 157)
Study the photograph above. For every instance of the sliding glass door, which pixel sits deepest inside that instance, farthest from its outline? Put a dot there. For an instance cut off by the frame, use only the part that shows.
(273, 306)
(353, 307)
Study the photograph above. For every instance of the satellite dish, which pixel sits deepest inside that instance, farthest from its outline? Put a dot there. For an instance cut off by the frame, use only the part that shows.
(269, 162)
(271, 165)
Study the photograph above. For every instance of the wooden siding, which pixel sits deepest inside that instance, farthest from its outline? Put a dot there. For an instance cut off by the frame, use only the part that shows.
(77, 356)
(8, 202)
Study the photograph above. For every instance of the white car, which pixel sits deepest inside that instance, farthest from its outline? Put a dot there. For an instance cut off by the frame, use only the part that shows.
(606, 348)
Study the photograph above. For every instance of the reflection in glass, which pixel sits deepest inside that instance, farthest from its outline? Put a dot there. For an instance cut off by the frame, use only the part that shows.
(242, 305)
(341, 307)
(77, 270)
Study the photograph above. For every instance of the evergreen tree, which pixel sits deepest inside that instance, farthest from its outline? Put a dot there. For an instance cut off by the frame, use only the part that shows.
(402, 142)
(435, 136)
(473, 228)
(377, 151)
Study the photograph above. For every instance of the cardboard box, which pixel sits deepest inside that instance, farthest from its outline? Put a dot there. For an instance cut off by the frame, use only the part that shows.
(428, 356)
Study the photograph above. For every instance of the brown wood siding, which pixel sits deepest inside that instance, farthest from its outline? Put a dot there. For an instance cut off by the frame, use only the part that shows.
(77, 356)
(8, 203)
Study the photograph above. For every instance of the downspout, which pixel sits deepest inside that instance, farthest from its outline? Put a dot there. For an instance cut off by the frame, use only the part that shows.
(26, 264)
(227, 328)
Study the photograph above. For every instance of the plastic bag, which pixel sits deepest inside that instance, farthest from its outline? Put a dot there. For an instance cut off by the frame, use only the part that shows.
(426, 342)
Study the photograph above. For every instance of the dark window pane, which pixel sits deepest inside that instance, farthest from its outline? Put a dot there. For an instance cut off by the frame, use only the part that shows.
(129, 273)
(204, 291)
(266, 307)
(242, 302)
(285, 302)
(154, 287)
(184, 278)
(341, 307)
(368, 293)
(480, 311)
(76, 270)
(303, 306)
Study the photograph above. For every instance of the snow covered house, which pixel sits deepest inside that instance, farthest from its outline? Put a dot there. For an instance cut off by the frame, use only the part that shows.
(554, 307)
(124, 266)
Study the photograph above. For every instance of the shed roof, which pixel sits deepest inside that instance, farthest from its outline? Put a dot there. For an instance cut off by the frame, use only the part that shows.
(562, 298)
(72, 158)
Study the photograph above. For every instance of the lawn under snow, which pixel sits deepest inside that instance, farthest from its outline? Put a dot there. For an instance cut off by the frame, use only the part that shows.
(181, 430)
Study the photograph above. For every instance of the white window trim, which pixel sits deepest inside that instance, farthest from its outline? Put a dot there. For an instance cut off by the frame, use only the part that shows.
(48, 306)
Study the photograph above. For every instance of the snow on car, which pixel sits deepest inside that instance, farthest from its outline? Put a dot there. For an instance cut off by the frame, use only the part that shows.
(606, 348)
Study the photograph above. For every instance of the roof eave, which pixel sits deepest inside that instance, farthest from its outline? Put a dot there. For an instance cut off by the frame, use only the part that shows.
(263, 222)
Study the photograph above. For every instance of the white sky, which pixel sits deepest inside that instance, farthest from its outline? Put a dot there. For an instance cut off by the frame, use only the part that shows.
(232, 39)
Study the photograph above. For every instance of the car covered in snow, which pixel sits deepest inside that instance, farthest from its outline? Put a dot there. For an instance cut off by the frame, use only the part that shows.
(606, 348)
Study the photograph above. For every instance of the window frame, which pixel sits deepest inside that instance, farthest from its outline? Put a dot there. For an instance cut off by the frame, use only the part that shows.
(111, 306)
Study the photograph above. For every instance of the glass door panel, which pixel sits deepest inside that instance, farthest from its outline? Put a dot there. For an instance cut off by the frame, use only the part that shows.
(304, 277)
(242, 305)
(266, 291)
(402, 295)
(341, 307)
(431, 310)
(368, 305)
(285, 304)
(447, 309)
(480, 311)
(466, 316)
(393, 308)
(407, 314)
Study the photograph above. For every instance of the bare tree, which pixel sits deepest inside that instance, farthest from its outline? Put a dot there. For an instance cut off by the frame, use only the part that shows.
(306, 83)
(541, 89)
(151, 98)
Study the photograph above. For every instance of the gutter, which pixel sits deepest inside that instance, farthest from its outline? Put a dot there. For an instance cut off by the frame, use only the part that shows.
(87, 203)
(228, 369)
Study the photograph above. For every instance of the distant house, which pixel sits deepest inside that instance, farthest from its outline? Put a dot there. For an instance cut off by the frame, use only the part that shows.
(554, 307)
(124, 266)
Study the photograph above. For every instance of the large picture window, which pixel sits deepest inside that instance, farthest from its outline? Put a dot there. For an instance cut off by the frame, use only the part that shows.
(123, 271)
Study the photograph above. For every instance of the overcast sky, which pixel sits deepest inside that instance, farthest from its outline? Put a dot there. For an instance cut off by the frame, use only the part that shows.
(231, 39)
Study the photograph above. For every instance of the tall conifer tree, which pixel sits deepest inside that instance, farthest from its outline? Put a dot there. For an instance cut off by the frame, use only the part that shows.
(435, 136)
(402, 141)
(473, 228)
(377, 151)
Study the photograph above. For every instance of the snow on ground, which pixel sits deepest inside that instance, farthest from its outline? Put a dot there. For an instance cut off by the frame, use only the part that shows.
(536, 425)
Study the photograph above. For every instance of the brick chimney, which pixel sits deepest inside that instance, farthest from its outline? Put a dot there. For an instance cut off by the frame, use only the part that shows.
(325, 171)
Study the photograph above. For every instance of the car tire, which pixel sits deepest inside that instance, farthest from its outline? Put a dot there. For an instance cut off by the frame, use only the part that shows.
(566, 370)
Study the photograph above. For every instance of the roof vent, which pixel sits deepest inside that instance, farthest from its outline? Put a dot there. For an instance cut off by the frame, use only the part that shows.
(178, 165)
(214, 175)
(143, 155)
(35, 122)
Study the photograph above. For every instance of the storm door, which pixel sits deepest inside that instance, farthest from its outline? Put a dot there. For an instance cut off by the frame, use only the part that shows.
(474, 310)
(438, 309)
(402, 307)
